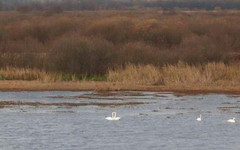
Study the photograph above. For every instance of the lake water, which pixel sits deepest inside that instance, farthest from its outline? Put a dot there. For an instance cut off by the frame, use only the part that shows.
(165, 121)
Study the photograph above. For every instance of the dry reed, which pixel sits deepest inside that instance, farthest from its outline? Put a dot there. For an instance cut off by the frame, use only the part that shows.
(181, 74)
(136, 74)
(10, 73)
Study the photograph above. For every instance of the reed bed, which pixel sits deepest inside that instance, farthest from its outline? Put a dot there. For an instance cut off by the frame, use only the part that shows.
(181, 74)
(133, 74)
(11, 73)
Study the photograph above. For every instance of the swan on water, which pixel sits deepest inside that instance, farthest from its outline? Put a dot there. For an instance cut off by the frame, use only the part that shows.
(114, 117)
(199, 118)
(232, 120)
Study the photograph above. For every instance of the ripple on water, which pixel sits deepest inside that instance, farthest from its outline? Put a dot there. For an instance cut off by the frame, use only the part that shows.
(149, 120)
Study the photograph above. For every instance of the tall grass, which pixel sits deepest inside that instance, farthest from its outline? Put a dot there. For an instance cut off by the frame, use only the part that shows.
(180, 74)
(31, 74)
(132, 74)
(10, 73)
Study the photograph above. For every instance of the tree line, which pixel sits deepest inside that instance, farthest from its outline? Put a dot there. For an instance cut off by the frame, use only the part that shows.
(93, 42)
(69, 5)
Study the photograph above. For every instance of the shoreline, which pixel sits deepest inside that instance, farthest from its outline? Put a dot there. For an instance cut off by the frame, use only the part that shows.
(13, 86)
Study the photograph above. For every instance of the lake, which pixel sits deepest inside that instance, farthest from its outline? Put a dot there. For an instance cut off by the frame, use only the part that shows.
(149, 120)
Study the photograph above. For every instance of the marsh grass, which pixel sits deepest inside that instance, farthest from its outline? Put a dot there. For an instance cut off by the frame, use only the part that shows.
(11, 73)
(181, 74)
(133, 74)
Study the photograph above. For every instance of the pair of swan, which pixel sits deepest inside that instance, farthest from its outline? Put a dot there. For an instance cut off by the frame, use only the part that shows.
(114, 117)
(230, 120)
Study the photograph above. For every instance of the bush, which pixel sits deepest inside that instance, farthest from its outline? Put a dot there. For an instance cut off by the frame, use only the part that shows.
(91, 43)
(137, 53)
(165, 34)
(81, 55)
(116, 30)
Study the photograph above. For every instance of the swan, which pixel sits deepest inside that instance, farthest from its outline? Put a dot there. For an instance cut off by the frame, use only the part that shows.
(232, 120)
(114, 117)
(199, 118)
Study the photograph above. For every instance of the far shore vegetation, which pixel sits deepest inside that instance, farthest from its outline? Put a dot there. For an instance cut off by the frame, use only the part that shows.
(215, 77)
(128, 47)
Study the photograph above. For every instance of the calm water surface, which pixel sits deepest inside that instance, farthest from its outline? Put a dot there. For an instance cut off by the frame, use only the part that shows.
(167, 121)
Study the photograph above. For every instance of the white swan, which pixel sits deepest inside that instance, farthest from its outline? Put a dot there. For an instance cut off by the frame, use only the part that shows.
(114, 117)
(232, 120)
(199, 118)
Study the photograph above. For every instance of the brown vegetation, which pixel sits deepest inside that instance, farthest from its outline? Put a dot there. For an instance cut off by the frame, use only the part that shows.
(34, 74)
(211, 74)
(135, 50)
(91, 43)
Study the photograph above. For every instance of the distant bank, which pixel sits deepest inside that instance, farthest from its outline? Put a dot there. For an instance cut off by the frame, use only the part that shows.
(209, 78)
(111, 86)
